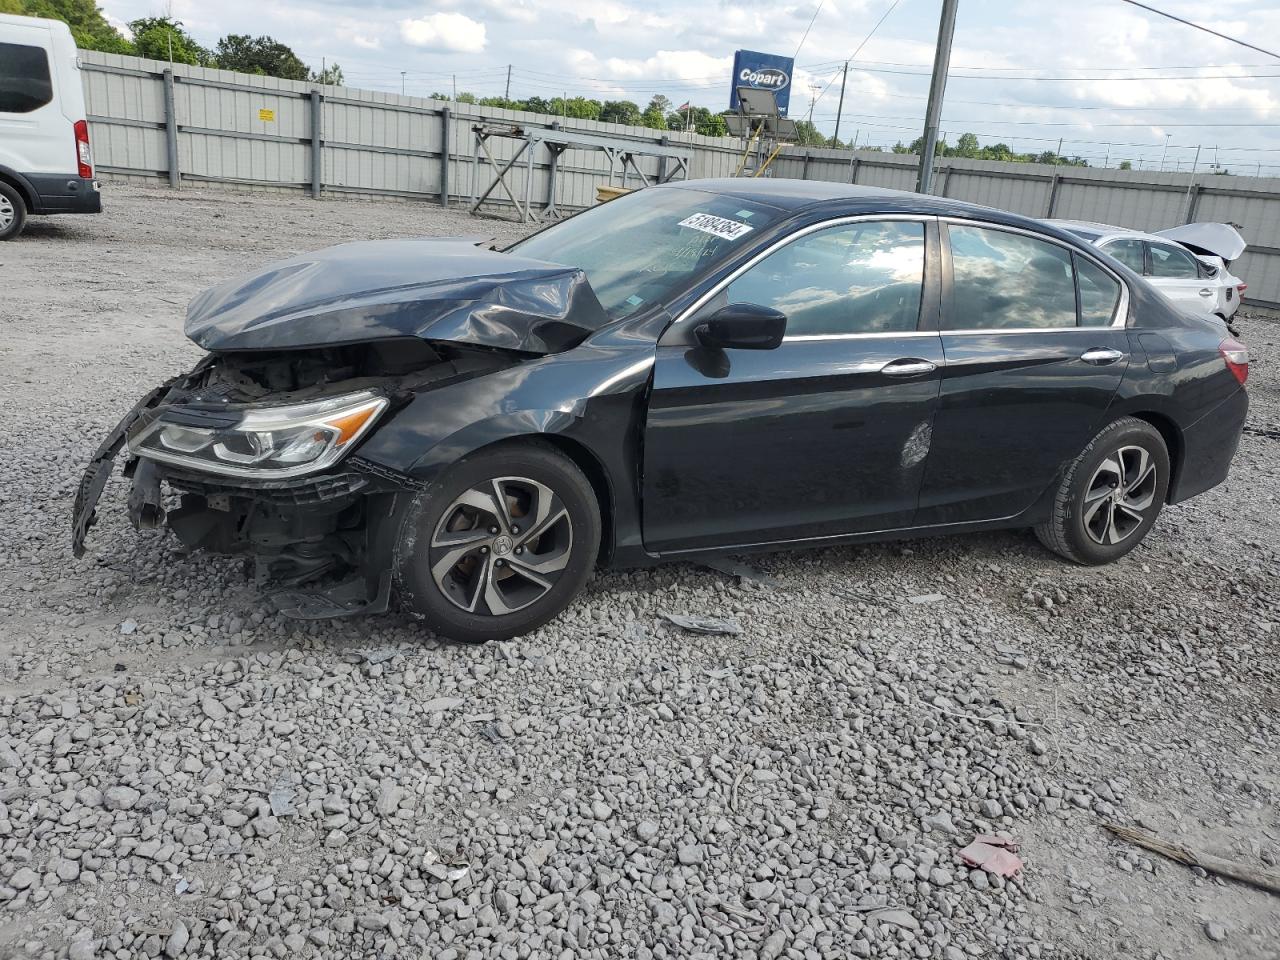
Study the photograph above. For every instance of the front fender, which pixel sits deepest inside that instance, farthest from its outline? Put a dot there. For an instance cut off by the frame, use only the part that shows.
(588, 401)
(509, 426)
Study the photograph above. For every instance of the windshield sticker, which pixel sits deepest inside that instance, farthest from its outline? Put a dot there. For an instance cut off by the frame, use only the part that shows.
(634, 300)
(721, 227)
(745, 214)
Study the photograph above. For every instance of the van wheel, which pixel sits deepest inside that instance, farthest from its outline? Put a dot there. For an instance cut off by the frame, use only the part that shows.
(499, 545)
(13, 212)
(1110, 495)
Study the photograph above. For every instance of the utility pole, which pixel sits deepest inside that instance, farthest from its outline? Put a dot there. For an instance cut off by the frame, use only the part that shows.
(1107, 160)
(1165, 150)
(937, 87)
(402, 73)
(835, 138)
(1059, 146)
(507, 95)
(1194, 163)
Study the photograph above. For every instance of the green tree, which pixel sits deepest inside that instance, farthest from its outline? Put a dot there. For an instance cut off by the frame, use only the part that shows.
(332, 74)
(1126, 164)
(163, 38)
(655, 114)
(967, 146)
(620, 111)
(88, 25)
(579, 108)
(261, 55)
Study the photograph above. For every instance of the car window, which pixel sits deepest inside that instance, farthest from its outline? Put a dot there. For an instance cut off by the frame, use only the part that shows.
(1002, 279)
(25, 84)
(861, 277)
(1172, 263)
(645, 246)
(1128, 252)
(1099, 294)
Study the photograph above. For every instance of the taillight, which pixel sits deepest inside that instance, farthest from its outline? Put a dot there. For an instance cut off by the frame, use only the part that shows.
(84, 155)
(1241, 288)
(1236, 355)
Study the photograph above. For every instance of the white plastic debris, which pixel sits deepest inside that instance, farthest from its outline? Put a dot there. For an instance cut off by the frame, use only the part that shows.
(711, 625)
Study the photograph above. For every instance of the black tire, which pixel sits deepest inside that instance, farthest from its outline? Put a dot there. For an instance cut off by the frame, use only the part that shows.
(1085, 535)
(11, 204)
(456, 538)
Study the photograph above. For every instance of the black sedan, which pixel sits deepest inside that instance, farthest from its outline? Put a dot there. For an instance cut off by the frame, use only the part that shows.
(711, 366)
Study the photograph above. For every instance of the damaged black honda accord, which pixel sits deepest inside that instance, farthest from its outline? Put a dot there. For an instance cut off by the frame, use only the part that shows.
(711, 366)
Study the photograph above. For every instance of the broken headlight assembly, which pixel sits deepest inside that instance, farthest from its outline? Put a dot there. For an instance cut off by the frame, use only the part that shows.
(266, 442)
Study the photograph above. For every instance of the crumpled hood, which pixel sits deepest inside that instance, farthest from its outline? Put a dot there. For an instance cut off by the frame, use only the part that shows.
(1214, 239)
(430, 288)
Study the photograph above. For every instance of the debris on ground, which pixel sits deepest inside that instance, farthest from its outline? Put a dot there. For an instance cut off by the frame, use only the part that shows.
(710, 625)
(1254, 876)
(740, 570)
(922, 598)
(993, 854)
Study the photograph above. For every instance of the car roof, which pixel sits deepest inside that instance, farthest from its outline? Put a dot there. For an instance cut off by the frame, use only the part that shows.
(852, 198)
(1106, 231)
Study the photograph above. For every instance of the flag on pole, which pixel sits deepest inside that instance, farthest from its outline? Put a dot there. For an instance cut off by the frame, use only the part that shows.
(683, 106)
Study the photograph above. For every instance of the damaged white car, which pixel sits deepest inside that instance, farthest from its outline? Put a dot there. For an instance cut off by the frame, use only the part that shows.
(1189, 264)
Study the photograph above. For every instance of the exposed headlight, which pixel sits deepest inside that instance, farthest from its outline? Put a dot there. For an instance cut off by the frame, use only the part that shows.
(267, 442)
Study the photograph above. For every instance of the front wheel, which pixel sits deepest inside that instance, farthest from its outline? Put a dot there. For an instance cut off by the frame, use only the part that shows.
(13, 212)
(1110, 495)
(500, 545)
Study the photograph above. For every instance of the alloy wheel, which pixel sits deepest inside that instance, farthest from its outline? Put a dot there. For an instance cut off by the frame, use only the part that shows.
(501, 546)
(1120, 495)
(7, 213)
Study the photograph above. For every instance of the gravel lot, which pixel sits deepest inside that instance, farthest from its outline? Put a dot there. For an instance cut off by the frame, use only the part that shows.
(185, 773)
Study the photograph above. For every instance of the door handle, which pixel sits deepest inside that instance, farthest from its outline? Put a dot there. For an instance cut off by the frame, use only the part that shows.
(1206, 292)
(1100, 356)
(907, 367)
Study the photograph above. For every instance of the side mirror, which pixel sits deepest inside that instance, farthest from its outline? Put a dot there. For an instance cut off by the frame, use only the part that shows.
(742, 326)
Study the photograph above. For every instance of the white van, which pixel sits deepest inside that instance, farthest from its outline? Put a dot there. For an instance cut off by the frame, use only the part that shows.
(46, 165)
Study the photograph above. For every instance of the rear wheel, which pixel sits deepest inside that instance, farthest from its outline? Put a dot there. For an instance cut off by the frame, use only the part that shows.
(500, 545)
(1110, 496)
(13, 212)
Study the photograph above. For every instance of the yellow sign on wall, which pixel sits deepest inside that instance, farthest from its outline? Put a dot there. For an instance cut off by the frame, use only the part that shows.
(265, 115)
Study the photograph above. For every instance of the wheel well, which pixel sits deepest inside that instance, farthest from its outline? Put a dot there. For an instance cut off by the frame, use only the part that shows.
(22, 190)
(594, 471)
(591, 468)
(1173, 443)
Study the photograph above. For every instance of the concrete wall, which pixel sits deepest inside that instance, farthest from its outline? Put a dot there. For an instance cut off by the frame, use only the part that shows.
(383, 144)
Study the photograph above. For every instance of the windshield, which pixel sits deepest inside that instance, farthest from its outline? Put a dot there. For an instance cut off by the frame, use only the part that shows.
(643, 246)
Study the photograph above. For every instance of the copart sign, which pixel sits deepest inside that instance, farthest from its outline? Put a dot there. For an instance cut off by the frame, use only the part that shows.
(764, 71)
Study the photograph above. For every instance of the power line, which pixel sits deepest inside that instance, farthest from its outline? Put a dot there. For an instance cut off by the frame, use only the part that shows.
(986, 69)
(816, 11)
(1197, 26)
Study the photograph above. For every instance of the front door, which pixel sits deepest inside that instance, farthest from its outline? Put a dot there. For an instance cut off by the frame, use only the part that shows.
(825, 435)
(1030, 370)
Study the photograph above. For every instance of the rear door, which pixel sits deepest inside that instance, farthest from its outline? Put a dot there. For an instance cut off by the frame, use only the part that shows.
(1035, 346)
(1176, 274)
(823, 436)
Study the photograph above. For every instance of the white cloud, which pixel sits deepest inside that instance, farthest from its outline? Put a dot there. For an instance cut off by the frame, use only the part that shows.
(366, 43)
(446, 32)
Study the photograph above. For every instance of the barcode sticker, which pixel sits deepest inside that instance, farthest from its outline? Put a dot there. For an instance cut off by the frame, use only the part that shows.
(721, 227)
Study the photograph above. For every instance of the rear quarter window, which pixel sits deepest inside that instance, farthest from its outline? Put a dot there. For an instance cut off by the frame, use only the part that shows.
(25, 83)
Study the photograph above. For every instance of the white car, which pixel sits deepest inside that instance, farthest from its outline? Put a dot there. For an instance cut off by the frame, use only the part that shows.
(1188, 264)
(46, 165)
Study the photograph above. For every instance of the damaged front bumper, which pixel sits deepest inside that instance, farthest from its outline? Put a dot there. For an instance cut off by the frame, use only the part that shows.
(323, 541)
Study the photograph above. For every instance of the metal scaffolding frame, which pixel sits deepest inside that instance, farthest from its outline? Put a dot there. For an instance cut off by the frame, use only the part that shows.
(621, 153)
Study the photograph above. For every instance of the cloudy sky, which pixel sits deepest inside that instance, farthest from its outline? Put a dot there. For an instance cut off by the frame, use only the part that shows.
(1111, 80)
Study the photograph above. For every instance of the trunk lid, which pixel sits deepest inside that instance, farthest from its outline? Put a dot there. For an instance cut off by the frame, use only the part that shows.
(1212, 239)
